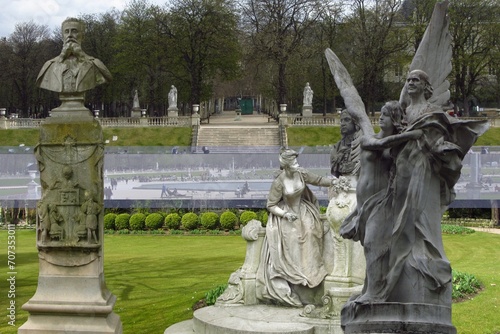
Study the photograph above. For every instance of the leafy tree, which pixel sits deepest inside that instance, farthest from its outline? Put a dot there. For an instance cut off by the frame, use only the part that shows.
(277, 29)
(25, 63)
(475, 32)
(206, 44)
(100, 34)
(371, 43)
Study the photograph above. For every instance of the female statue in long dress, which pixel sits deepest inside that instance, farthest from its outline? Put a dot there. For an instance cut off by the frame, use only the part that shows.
(298, 248)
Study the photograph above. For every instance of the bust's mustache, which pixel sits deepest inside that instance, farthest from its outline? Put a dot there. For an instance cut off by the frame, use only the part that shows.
(71, 47)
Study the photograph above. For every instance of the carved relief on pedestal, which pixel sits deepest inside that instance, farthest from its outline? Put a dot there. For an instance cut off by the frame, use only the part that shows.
(69, 211)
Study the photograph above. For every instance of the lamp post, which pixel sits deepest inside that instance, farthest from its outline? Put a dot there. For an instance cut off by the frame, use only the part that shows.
(96, 113)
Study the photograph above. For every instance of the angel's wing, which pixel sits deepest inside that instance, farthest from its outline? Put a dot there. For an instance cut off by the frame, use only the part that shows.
(433, 56)
(352, 100)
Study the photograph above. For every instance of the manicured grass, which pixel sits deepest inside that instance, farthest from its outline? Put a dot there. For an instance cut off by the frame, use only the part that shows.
(323, 135)
(170, 136)
(157, 279)
(145, 136)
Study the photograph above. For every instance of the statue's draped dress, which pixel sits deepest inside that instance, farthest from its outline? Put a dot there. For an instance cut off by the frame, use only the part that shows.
(295, 254)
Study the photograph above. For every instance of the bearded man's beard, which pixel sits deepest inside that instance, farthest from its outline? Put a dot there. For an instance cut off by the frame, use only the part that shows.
(72, 48)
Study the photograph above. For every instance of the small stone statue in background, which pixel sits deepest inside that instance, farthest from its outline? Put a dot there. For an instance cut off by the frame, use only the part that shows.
(135, 104)
(73, 70)
(172, 98)
(308, 95)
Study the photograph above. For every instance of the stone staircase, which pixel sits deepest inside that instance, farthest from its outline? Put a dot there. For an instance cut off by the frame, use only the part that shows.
(249, 133)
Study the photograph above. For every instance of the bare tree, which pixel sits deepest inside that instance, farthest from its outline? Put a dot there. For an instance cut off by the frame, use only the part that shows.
(277, 29)
(373, 38)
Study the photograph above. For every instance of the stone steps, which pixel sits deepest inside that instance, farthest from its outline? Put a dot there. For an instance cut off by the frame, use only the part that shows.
(238, 136)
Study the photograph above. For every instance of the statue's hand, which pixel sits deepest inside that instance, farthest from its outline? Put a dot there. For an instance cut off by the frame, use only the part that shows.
(290, 216)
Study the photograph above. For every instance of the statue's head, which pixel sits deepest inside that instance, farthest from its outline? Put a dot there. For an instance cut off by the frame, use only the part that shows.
(423, 79)
(395, 112)
(67, 172)
(72, 30)
(347, 124)
(288, 158)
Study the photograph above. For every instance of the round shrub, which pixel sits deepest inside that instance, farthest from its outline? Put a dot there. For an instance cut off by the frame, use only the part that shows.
(173, 221)
(209, 220)
(228, 220)
(247, 216)
(154, 221)
(122, 221)
(109, 221)
(190, 221)
(262, 215)
(137, 221)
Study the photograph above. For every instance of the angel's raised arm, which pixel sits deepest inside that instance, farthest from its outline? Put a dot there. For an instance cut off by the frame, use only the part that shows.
(352, 100)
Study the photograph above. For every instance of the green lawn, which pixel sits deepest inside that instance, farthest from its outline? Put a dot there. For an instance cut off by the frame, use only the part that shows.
(158, 278)
(170, 136)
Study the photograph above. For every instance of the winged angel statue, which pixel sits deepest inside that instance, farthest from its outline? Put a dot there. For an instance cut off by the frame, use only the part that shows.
(407, 174)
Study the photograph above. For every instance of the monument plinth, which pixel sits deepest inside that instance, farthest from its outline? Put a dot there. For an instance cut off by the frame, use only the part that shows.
(71, 295)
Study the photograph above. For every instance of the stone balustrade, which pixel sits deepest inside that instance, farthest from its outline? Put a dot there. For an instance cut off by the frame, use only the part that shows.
(286, 120)
(108, 122)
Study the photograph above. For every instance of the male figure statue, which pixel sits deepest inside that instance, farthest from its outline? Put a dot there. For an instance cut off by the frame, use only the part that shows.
(73, 71)
(342, 159)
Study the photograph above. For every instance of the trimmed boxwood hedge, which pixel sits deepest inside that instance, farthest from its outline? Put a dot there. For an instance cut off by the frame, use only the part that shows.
(109, 221)
(190, 221)
(247, 216)
(122, 221)
(209, 220)
(137, 221)
(228, 220)
(154, 221)
(173, 221)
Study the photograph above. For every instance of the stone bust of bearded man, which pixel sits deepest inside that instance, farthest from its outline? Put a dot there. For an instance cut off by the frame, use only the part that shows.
(73, 71)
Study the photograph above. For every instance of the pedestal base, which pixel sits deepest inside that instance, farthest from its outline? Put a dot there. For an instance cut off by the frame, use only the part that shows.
(173, 112)
(396, 318)
(71, 323)
(307, 111)
(136, 113)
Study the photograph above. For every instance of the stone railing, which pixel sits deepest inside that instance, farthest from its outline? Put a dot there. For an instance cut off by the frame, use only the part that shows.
(334, 120)
(111, 122)
(122, 122)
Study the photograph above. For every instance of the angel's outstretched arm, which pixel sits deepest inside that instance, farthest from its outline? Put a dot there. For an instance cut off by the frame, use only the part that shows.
(352, 100)
(372, 143)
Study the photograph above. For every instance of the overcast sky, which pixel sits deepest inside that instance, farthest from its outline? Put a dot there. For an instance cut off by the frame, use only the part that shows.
(53, 12)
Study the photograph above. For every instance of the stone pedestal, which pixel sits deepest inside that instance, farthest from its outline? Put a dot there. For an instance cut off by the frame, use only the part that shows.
(307, 111)
(173, 112)
(349, 265)
(397, 318)
(71, 295)
(136, 112)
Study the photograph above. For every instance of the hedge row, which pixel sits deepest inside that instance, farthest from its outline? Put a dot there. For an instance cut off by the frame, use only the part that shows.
(227, 220)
